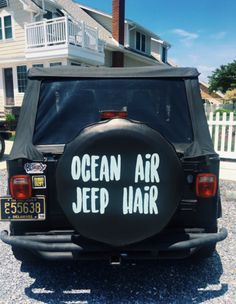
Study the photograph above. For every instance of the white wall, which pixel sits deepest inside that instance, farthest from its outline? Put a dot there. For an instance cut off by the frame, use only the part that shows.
(156, 49)
(14, 48)
(131, 62)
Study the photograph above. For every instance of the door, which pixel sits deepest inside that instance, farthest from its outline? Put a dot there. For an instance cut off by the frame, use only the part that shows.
(9, 86)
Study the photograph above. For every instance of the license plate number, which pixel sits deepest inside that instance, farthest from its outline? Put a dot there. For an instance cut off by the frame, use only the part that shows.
(32, 209)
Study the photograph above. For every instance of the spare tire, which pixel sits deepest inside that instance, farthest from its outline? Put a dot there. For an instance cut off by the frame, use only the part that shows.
(119, 182)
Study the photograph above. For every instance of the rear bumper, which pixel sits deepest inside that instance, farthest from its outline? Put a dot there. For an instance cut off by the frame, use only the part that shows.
(72, 247)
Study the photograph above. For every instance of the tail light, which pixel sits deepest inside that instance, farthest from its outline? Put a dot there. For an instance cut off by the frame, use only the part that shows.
(206, 185)
(113, 114)
(21, 187)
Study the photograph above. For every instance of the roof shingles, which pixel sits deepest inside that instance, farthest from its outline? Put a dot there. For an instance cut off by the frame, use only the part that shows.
(78, 14)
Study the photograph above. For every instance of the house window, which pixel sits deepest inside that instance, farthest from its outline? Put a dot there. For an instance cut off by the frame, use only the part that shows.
(143, 43)
(22, 78)
(5, 28)
(164, 54)
(53, 64)
(8, 27)
(8, 86)
(3, 3)
(48, 15)
(140, 42)
(37, 65)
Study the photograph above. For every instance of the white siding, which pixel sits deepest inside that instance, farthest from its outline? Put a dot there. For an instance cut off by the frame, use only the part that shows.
(18, 97)
(156, 49)
(131, 62)
(108, 58)
(14, 48)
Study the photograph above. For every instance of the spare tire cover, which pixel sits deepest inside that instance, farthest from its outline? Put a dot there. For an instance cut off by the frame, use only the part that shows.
(119, 182)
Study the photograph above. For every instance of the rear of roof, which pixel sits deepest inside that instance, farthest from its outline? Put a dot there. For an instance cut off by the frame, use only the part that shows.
(157, 71)
(107, 22)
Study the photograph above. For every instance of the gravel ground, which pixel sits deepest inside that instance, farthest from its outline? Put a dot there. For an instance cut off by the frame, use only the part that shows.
(211, 281)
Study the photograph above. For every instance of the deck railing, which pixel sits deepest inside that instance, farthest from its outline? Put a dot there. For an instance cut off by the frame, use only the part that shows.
(59, 31)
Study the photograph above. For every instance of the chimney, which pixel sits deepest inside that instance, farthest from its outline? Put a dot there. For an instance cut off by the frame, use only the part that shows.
(118, 20)
(118, 30)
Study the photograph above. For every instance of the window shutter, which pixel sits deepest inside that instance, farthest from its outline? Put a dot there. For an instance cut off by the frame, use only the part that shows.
(3, 3)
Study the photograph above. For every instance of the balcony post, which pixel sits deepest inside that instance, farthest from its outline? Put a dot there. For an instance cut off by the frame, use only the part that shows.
(96, 38)
(67, 29)
(83, 33)
(45, 33)
(26, 36)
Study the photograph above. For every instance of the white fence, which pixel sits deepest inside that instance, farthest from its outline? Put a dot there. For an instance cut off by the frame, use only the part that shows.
(223, 132)
(213, 107)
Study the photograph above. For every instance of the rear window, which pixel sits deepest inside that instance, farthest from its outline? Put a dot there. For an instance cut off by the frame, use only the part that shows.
(67, 106)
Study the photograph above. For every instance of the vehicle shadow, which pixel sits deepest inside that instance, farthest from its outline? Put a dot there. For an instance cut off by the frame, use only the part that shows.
(181, 281)
(5, 157)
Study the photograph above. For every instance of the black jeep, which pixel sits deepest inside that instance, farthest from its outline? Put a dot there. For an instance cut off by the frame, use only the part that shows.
(112, 164)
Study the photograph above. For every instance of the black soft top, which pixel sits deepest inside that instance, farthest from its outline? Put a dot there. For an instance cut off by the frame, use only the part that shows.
(161, 71)
(23, 146)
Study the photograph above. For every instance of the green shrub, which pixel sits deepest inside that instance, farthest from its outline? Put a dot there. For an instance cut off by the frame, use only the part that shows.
(10, 117)
(10, 121)
(12, 138)
(227, 111)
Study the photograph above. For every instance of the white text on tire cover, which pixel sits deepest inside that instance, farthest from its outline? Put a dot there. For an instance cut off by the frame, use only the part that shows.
(141, 200)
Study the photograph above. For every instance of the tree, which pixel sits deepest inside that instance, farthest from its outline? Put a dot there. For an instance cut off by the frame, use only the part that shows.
(223, 78)
(230, 95)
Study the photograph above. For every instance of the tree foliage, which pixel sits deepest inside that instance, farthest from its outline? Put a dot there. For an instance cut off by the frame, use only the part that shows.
(223, 78)
(231, 95)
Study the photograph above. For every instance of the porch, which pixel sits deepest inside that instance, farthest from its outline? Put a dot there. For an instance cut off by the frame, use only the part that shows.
(61, 37)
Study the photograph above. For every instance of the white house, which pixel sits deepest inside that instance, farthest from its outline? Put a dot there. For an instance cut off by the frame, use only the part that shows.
(139, 45)
(46, 33)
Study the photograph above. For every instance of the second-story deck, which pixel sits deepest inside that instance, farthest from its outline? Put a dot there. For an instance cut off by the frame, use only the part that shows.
(61, 36)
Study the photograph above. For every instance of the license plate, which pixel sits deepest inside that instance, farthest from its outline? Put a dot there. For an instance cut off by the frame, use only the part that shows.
(32, 209)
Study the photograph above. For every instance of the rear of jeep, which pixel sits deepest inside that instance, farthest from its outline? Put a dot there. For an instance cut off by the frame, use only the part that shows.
(113, 164)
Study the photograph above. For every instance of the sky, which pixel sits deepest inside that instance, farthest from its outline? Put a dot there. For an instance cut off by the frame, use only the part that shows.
(202, 33)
